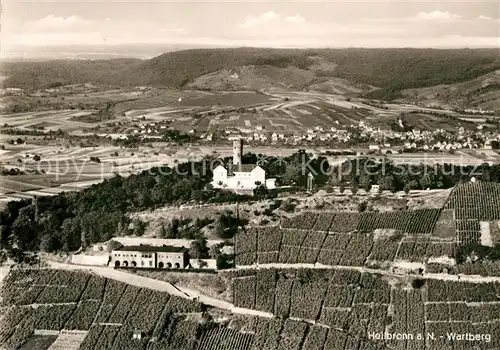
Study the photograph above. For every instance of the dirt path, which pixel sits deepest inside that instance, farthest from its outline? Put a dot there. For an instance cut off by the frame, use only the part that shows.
(145, 282)
(436, 276)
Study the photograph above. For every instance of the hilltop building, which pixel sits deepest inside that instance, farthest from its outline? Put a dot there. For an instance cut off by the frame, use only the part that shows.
(238, 176)
(147, 256)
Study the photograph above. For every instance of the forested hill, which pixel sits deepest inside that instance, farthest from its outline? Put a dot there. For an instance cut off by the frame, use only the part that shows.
(390, 69)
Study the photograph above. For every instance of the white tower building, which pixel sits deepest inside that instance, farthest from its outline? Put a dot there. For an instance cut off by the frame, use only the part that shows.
(237, 151)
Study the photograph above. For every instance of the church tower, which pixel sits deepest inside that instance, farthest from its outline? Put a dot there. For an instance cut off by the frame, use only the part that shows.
(237, 151)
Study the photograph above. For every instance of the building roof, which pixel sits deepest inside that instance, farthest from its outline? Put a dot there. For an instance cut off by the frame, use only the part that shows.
(150, 248)
(241, 168)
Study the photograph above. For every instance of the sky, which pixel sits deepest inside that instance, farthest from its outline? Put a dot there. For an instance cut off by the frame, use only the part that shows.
(39, 24)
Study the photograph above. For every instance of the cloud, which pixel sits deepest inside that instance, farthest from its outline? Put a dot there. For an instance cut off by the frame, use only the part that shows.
(437, 16)
(268, 16)
(295, 19)
(52, 21)
(484, 18)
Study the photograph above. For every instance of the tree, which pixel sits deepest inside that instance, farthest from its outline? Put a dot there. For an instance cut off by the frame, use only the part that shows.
(113, 245)
(224, 261)
(260, 191)
(426, 181)
(354, 188)
(3, 257)
(24, 230)
(173, 228)
(215, 251)
(342, 188)
(36, 158)
(387, 183)
(198, 248)
(407, 188)
(362, 206)
(46, 243)
(163, 231)
(139, 227)
(367, 186)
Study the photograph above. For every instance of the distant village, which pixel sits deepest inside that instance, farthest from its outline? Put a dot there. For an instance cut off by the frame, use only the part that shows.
(376, 139)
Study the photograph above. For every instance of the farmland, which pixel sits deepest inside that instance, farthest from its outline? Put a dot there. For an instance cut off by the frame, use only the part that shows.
(67, 137)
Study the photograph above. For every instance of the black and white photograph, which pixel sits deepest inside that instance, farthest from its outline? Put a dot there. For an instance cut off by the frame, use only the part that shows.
(249, 175)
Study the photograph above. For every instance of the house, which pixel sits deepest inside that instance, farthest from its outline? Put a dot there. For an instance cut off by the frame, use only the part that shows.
(147, 256)
(137, 334)
(237, 176)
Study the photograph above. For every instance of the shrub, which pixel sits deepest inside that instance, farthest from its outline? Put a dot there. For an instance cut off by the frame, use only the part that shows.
(362, 206)
(417, 283)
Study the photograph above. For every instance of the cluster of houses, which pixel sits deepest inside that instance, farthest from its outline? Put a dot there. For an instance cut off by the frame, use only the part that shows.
(361, 133)
(376, 138)
(150, 129)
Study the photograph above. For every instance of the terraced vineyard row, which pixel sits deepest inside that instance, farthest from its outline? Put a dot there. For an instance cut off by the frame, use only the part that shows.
(288, 334)
(356, 304)
(475, 201)
(468, 231)
(421, 221)
(265, 245)
(422, 248)
(222, 338)
(308, 294)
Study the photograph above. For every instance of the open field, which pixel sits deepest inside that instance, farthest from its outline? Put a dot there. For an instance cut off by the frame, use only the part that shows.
(190, 99)
(49, 120)
(271, 110)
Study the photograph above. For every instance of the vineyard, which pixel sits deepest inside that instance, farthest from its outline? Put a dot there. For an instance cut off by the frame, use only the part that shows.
(267, 245)
(420, 221)
(73, 303)
(379, 238)
(222, 338)
(352, 304)
(475, 201)
(317, 308)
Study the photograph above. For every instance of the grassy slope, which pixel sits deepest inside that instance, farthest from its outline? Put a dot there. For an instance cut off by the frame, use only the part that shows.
(391, 69)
